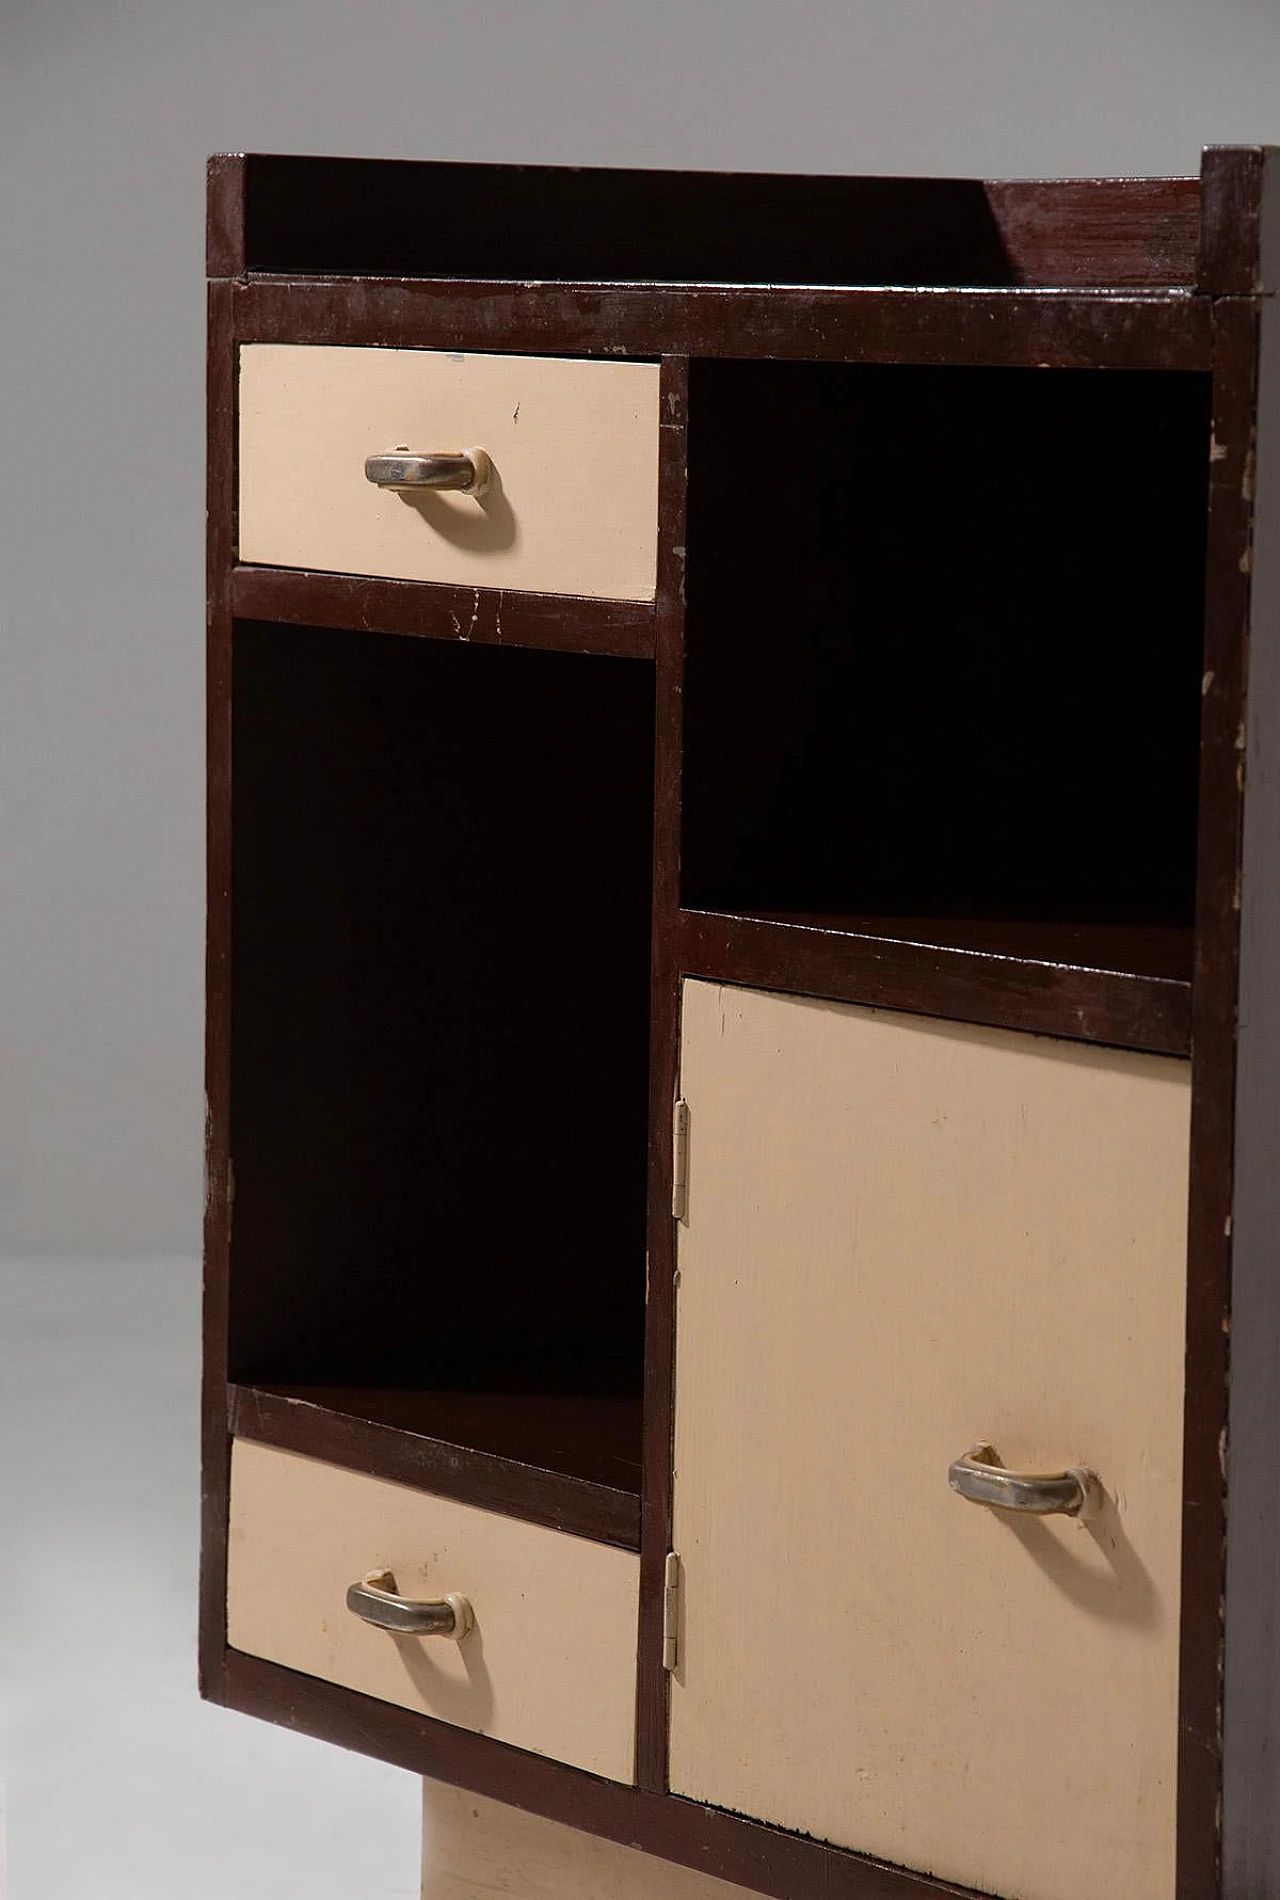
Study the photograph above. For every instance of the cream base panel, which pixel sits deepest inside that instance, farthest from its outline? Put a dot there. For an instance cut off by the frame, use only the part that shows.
(904, 1237)
(550, 1664)
(571, 506)
(474, 1848)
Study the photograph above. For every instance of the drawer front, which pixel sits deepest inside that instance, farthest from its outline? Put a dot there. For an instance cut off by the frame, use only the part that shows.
(550, 1664)
(571, 506)
(904, 1238)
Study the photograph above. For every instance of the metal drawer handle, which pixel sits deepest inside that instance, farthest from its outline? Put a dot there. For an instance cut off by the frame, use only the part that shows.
(468, 470)
(376, 1600)
(982, 1479)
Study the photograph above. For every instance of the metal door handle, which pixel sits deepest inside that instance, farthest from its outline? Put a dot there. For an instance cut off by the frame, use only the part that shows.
(982, 1479)
(466, 469)
(376, 1600)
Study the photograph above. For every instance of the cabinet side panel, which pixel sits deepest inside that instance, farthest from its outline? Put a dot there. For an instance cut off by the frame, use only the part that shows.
(1251, 1727)
(904, 1239)
(1213, 1043)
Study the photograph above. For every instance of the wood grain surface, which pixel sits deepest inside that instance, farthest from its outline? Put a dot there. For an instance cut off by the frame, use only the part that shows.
(557, 623)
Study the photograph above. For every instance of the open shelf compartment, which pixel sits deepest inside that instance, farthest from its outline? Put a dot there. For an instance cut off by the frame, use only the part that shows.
(440, 1050)
(944, 653)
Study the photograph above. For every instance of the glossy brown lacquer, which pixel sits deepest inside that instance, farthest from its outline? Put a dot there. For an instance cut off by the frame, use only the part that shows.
(1231, 1640)
(554, 622)
(224, 220)
(1051, 980)
(964, 705)
(1076, 329)
(1137, 231)
(651, 1700)
(1232, 259)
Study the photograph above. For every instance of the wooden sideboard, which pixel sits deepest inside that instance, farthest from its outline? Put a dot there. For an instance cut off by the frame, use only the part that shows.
(743, 1052)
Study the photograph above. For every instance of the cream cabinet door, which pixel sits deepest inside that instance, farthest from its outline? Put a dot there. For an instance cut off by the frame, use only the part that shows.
(902, 1238)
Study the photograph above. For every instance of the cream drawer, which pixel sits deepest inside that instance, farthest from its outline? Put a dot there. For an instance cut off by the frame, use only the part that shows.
(904, 1238)
(572, 502)
(551, 1662)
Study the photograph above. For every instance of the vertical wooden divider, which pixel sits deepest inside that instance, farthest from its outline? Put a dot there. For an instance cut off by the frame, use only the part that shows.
(1227, 263)
(216, 1444)
(651, 1699)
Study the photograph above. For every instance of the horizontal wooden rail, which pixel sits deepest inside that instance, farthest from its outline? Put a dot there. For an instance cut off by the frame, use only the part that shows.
(1015, 328)
(1010, 989)
(403, 1437)
(485, 616)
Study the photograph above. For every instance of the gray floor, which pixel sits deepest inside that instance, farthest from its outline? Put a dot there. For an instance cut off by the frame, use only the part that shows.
(122, 1785)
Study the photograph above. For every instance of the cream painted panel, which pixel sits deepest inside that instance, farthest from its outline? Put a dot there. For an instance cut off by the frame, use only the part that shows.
(904, 1237)
(551, 1662)
(572, 507)
(474, 1848)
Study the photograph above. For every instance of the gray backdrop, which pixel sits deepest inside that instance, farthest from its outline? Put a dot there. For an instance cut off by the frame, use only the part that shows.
(107, 110)
(122, 1785)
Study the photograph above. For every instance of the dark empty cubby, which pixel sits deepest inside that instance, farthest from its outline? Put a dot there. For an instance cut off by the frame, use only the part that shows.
(442, 873)
(379, 217)
(944, 653)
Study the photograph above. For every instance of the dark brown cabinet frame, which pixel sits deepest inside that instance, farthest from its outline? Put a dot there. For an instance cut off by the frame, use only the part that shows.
(1169, 275)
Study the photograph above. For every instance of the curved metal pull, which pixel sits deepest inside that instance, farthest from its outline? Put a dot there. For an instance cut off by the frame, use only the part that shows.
(982, 1479)
(376, 1600)
(468, 470)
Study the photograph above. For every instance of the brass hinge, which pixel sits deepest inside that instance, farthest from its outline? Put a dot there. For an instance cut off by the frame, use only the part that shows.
(670, 1609)
(680, 1160)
